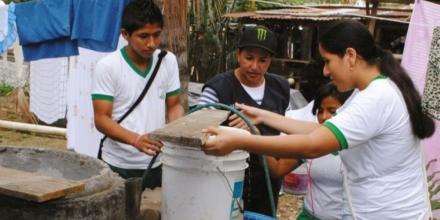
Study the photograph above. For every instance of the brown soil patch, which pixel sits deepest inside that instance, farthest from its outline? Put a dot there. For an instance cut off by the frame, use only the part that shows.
(10, 112)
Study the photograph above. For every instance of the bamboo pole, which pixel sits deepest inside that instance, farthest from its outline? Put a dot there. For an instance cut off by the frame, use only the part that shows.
(32, 128)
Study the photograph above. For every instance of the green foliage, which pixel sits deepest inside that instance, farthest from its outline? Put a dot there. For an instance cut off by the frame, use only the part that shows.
(15, 1)
(206, 37)
(5, 89)
(433, 186)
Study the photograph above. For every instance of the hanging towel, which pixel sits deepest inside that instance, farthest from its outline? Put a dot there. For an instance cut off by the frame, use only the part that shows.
(431, 93)
(3, 20)
(61, 47)
(48, 89)
(43, 20)
(97, 23)
(44, 29)
(82, 135)
(11, 29)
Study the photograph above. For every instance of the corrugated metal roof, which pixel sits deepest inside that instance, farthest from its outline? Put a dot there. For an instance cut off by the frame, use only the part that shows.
(320, 13)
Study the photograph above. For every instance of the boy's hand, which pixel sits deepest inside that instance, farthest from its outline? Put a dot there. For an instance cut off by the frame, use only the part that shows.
(149, 146)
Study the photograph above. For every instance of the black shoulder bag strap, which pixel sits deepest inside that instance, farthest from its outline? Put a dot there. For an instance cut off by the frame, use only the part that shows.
(138, 100)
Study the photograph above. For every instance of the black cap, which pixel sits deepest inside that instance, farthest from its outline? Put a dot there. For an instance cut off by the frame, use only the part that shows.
(260, 37)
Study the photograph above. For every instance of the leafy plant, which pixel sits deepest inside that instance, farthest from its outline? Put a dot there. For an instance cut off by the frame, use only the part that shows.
(5, 89)
(15, 1)
(433, 186)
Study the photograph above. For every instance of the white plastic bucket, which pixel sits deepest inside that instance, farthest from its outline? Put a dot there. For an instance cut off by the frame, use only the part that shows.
(197, 186)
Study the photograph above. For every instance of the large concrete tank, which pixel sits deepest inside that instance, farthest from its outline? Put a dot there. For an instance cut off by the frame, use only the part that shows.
(103, 198)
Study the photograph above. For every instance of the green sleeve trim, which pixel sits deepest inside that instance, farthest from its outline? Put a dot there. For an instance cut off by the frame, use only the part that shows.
(102, 97)
(339, 135)
(174, 93)
(306, 215)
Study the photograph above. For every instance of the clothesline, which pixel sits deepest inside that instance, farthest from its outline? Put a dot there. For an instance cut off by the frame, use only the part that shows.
(346, 13)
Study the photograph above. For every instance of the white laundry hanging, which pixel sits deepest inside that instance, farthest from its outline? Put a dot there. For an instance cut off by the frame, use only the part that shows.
(48, 89)
(415, 60)
(3, 20)
(82, 136)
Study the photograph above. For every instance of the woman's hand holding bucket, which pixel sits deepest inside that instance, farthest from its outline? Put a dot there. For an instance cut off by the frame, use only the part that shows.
(222, 140)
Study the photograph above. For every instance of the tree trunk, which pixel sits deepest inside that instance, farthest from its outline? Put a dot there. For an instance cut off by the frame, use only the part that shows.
(175, 38)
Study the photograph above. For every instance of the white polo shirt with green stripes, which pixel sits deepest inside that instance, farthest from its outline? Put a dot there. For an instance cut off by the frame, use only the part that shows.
(118, 80)
(381, 155)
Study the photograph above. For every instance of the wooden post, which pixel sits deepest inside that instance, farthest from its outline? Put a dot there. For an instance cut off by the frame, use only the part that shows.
(175, 38)
(373, 12)
(133, 192)
(306, 46)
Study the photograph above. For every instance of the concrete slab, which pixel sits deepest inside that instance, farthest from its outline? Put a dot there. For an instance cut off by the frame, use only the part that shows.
(186, 131)
(35, 187)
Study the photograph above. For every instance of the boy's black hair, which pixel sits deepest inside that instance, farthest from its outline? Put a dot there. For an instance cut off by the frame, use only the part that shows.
(138, 13)
(329, 90)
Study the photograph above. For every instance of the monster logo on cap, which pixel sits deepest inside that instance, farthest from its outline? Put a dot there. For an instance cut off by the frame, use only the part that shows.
(261, 34)
(259, 37)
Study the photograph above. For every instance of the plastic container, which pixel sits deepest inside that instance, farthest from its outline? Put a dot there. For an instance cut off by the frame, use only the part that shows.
(197, 186)
(256, 216)
(297, 181)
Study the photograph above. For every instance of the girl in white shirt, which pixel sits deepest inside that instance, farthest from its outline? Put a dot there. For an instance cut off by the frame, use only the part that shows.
(324, 195)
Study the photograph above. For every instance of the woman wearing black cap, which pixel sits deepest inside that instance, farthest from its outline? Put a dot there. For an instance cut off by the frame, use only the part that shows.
(250, 83)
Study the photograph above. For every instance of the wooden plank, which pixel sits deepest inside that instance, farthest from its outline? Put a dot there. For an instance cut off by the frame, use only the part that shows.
(35, 187)
(187, 130)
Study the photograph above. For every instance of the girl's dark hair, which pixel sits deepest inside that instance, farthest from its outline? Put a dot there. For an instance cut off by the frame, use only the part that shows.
(329, 90)
(138, 13)
(353, 34)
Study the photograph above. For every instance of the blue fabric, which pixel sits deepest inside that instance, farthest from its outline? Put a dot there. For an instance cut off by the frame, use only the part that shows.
(61, 47)
(97, 23)
(12, 30)
(42, 20)
(55, 28)
(44, 29)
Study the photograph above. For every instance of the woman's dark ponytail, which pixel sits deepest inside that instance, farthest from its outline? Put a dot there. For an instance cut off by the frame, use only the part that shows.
(353, 34)
(423, 126)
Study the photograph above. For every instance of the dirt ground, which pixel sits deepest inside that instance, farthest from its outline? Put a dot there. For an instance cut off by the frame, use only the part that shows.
(289, 205)
(9, 112)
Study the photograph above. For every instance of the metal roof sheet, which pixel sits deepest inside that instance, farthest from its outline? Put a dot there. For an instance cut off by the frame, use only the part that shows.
(320, 13)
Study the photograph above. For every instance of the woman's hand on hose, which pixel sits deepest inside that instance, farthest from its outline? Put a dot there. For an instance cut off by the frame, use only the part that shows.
(254, 115)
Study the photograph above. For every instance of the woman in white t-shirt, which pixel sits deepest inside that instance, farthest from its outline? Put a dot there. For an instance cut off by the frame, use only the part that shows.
(376, 132)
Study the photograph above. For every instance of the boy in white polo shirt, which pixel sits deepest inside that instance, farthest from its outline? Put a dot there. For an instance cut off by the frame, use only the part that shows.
(118, 81)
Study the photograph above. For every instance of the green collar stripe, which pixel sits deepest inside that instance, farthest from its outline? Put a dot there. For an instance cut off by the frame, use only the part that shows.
(102, 97)
(134, 67)
(174, 93)
(339, 135)
(379, 76)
